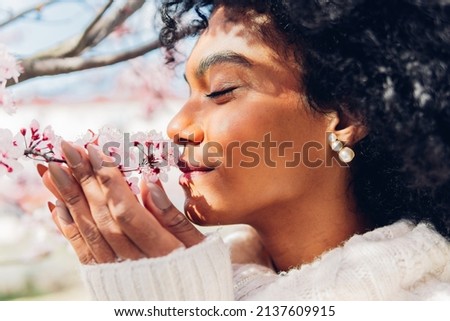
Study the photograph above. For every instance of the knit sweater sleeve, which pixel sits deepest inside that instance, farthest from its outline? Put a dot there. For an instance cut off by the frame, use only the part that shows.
(202, 272)
(397, 262)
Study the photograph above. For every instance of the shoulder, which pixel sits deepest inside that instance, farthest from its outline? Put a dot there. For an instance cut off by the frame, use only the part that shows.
(399, 261)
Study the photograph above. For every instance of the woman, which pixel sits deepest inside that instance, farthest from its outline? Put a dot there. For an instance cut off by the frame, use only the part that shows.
(322, 125)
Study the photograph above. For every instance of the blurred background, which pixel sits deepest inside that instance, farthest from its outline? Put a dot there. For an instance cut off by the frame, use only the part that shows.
(86, 64)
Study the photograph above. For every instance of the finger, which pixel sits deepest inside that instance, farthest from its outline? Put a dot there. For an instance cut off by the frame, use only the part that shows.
(156, 201)
(71, 232)
(46, 179)
(136, 222)
(74, 198)
(81, 168)
(51, 208)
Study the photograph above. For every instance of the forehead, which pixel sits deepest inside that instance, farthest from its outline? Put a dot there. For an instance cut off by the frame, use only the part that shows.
(227, 32)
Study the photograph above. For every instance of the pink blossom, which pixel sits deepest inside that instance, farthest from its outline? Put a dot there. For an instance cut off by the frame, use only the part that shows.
(133, 182)
(10, 152)
(7, 101)
(51, 142)
(19, 142)
(138, 138)
(34, 126)
(172, 156)
(142, 153)
(89, 138)
(42, 145)
(8, 66)
(48, 134)
(150, 175)
(111, 141)
(8, 69)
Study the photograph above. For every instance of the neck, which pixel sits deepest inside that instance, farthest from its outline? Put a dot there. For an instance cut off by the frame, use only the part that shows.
(302, 229)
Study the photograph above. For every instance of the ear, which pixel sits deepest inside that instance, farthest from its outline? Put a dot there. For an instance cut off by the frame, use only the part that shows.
(348, 130)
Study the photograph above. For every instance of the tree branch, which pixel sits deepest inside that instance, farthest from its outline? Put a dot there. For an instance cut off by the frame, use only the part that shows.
(54, 66)
(84, 38)
(33, 68)
(37, 7)
(99, 31)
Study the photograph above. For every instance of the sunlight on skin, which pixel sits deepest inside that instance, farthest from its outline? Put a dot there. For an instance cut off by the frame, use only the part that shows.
(259, 94)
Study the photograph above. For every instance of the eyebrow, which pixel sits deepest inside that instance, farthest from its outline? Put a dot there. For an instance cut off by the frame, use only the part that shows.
(220, 58)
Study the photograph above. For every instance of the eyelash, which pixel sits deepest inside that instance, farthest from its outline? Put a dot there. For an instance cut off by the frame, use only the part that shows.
(220, 93)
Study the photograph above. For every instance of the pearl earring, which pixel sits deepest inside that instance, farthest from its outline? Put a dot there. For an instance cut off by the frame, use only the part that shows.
(346, 154)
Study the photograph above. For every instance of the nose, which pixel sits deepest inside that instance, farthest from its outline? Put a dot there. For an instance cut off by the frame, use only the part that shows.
(183, 129)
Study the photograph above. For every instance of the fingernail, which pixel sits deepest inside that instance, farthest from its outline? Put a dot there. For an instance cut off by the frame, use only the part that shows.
(41, 169)
(159, 197)
(60, 177)
(71, 154)
(94, 157)
(63, 213)
(51, 206)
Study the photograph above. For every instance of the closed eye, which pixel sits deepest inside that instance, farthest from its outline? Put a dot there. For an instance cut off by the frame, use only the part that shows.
(216, 94)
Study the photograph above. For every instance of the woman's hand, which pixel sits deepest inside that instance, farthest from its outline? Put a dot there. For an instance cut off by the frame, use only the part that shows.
(101, 217)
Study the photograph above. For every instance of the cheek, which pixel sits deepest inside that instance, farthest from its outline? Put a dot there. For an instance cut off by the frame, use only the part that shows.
(247, 122)
(264, 128)
(252, 175)
(231, 124)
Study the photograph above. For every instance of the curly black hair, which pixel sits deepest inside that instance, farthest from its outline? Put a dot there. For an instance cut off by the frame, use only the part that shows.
(384, 62)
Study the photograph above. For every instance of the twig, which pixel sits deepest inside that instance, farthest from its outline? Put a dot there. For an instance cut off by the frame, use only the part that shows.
(45, 157)
(84, 38)
(99, 31)
(27, 11)
(55, 66)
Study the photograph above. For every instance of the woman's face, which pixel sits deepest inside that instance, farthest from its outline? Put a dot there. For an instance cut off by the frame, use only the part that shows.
(253, 147)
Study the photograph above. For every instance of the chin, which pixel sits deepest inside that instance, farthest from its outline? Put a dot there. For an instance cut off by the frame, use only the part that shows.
(197, 209)
(199, 212)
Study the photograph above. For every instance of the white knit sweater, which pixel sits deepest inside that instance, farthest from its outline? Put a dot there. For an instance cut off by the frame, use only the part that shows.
(397, 262)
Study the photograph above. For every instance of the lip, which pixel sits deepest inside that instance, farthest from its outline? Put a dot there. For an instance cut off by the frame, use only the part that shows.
(189, 170)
